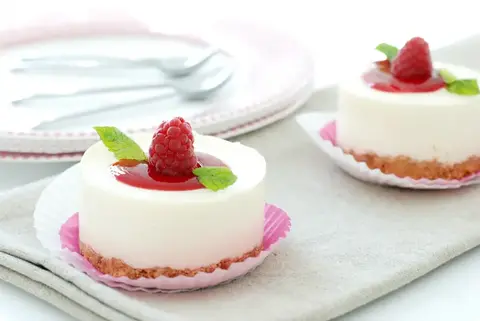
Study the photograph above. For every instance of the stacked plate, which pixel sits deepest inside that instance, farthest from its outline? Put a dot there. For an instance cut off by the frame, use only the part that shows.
(272, 77)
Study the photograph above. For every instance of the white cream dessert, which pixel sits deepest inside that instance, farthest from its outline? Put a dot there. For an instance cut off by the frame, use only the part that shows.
(408, 117)
(139, 218)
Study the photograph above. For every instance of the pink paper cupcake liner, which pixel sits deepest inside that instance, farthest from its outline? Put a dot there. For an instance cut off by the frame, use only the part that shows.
(277, 225)
(328, 134)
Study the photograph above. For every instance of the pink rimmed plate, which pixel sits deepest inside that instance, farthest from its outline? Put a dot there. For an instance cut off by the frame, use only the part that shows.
(286, 108)
(277, 225)
(254, 52)
(320, 127)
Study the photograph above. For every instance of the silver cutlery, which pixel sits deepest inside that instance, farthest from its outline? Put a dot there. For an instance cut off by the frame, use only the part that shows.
(192, 88)
(23, 118)
(172, 67)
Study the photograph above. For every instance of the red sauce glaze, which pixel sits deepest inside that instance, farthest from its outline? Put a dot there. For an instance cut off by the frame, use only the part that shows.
(138, 174)
(380, 78)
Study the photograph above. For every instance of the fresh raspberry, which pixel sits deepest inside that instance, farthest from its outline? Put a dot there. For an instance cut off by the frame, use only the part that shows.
(413, 62)
(171, 151)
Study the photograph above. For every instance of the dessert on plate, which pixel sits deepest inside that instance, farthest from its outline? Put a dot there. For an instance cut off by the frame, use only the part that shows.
(190, 204)
(410, 117)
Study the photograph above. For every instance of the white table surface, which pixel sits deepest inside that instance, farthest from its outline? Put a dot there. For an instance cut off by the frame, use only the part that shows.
(339, 34)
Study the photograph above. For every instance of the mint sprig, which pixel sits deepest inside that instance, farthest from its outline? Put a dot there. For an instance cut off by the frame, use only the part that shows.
(122, 146)
(464, 87)
(215, 178)
(447, 76)
(388, 50)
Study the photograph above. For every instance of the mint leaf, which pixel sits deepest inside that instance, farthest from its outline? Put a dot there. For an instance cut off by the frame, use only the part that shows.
(215, 178)
(447, 76)
(122, 146)
(388, 50)
(465, 87)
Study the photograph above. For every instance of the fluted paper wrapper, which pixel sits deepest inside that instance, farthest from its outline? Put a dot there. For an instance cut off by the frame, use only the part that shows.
(277, 225)
(321, 128)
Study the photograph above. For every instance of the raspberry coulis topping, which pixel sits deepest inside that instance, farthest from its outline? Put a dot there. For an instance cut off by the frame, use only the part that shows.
(410, 71)
(142, 175)
(171, 162)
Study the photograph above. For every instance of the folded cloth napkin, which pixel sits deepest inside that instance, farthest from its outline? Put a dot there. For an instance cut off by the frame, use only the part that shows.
(24, 263)
(40, 289)
(350, 243)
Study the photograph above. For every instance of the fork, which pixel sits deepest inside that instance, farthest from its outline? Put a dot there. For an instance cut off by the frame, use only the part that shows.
(172, 67)
(22, 118)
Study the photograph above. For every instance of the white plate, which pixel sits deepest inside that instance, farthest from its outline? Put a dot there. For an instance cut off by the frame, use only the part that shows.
(268, 67)
(284, 110)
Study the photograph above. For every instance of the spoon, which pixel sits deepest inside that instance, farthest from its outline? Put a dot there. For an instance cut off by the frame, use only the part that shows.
(172, 67)
(21, 118)
(193, 88)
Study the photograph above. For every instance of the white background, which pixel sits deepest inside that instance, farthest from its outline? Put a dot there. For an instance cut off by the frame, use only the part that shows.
(339, 34)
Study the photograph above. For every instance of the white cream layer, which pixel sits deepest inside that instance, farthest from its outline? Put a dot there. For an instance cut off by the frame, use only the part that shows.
(424, 126)
(178, 229)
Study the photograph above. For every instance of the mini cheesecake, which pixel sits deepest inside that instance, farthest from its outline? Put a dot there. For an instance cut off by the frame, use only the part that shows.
(420, 128)
(136, 222)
